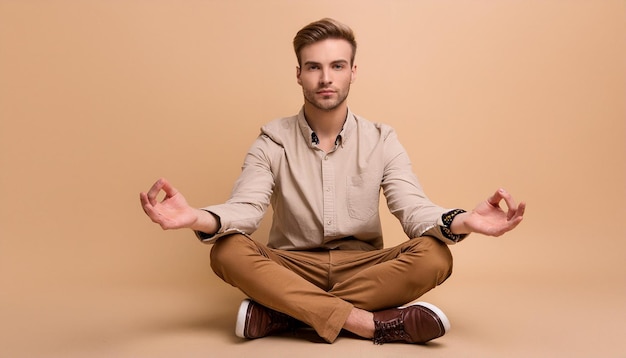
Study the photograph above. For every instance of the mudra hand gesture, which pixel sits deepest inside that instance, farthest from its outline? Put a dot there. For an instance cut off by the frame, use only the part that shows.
(489, 218)
(172, 212)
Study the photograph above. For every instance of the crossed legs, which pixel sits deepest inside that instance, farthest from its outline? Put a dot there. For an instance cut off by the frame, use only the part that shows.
(332, 290)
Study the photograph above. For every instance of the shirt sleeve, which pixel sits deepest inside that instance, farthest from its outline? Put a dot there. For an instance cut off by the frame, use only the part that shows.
(406, 199)
(243, 211)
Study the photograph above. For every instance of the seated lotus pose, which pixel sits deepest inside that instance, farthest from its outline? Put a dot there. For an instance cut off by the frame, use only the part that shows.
(324, 265)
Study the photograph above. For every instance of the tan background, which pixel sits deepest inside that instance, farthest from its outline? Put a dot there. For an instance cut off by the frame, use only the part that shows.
(100, 98)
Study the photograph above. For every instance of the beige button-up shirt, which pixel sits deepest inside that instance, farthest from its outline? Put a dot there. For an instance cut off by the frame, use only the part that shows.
(326, 200)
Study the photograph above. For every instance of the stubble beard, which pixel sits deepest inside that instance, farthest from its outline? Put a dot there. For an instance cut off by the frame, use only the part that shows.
(325, 105)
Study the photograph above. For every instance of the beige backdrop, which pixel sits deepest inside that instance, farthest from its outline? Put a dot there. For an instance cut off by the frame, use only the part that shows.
(100, 98)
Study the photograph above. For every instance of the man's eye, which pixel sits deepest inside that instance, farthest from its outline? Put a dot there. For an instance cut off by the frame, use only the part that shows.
(339, 67)
(313, 68)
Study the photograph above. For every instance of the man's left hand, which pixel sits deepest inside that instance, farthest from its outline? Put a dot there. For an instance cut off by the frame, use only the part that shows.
(489, 218)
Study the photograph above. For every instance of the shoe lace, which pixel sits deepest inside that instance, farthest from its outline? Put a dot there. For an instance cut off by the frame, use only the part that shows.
(389, 331)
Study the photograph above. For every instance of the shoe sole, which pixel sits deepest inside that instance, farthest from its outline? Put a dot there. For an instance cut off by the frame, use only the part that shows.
(240, 327)
(438, 312)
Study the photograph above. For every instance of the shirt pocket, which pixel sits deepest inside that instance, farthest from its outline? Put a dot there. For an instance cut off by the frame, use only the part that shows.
(363, 193)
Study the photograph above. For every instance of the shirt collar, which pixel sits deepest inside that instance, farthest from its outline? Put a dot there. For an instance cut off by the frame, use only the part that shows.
(311, 138)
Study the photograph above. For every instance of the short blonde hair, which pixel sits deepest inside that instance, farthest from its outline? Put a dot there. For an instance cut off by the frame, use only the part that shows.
(323, 29)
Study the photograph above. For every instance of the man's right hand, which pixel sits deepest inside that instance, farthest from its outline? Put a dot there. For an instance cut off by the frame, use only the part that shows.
(173, 212)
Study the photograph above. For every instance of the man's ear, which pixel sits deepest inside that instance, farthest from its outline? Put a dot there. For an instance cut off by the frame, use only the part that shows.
(298, 71)
(353, 74)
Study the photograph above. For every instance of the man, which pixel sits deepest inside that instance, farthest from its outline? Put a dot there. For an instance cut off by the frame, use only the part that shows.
(322, 171)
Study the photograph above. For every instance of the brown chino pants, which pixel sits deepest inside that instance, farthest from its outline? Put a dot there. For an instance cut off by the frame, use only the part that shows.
(320, 288)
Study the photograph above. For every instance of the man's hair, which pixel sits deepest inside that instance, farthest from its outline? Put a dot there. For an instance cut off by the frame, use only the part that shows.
(321, 30)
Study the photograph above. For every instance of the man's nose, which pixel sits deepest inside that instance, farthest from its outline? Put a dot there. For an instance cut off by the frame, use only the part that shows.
(325, 77)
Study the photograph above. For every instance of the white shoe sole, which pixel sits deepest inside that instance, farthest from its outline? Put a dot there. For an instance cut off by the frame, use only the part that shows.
(442, 316)
(241, 318)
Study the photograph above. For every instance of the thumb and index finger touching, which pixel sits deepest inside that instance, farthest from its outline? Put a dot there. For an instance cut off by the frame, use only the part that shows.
(150, 198)
(515, 212)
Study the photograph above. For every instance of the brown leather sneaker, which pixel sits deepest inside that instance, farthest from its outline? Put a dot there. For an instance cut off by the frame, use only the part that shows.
(256, 321)
(418, 322)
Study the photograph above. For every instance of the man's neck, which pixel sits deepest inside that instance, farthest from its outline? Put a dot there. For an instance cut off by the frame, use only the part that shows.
(325, 123)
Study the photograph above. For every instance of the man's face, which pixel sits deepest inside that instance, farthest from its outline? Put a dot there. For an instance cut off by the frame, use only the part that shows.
(325, 73)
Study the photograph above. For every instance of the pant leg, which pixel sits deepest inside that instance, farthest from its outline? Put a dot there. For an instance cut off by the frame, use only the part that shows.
(375, 280)
(294, 283)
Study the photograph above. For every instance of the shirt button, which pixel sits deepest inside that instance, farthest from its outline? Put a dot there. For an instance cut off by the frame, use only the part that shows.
(326, 158)
(329, 222)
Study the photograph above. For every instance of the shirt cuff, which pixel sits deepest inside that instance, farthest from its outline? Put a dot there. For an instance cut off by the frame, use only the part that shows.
(209, 239)
(446, 220)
